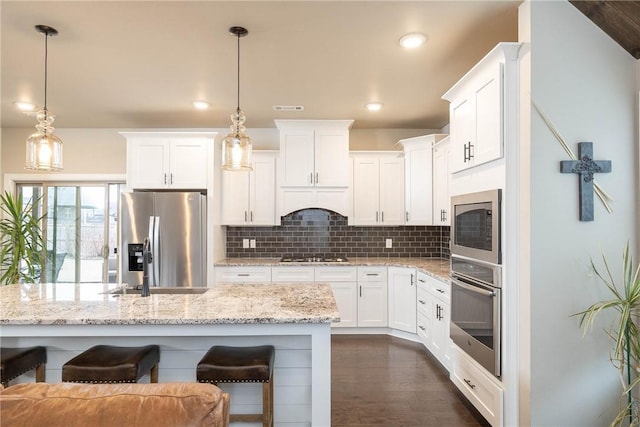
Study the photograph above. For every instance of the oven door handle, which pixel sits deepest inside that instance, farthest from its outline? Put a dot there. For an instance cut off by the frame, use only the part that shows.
(474, 288)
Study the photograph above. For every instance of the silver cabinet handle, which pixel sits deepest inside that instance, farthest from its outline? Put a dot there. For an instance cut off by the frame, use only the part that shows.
(421, 280)
(373, 274)
(406, 216)
(165, 178)
(411, 279)
(171, 178)
(243, 274)
(382, 216)
(360, 291)
(444, 214)
(469, 383)
(440, 290)
(245, 216)
(251, 216)
(422, 302)
(316, 177)
(422, 327)
(311, 178)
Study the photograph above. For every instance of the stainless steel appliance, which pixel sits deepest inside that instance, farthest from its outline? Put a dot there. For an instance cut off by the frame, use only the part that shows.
(175, 223)
(475, 310)
(475, 228)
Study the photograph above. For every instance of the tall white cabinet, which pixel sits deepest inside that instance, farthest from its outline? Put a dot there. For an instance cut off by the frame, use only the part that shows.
(418, 158)
(378, 197)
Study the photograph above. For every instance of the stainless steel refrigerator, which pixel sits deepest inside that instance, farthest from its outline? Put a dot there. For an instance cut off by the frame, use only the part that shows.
(175, 224)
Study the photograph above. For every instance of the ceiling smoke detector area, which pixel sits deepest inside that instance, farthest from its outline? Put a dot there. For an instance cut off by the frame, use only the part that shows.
(288, 108)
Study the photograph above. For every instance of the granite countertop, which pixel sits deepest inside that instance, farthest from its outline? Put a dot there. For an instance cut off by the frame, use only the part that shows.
(436, 267)
(88, 304)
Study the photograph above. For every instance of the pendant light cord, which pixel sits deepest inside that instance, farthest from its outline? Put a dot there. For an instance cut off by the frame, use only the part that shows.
(238, 37)
(46, 36)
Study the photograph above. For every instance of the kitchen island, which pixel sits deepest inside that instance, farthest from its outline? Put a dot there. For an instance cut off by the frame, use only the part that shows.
(69, 318)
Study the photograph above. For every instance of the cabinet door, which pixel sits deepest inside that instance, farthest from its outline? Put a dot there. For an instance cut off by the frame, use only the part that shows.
(488, 116)
(440, 332)
(391, 184)
(346, 296)
(441, 200)
(402, 299)
(296, 151)
(372, 304)
(463, 129)
(262, 191)
(235, 197)
(149, 163)
(366, 190)
(188, 164)
(331, 151)
(418, 203)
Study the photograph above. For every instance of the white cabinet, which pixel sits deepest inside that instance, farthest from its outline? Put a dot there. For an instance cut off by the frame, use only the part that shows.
(402, 299)
(477, 110)
(418, 186)
(378, 184)
(441, 183)
(168, 160)
(244, 274)
(314, 153)
(372, 297)
(482, 389)
(434, 317)
(291, 274)
(248, 198)
(343, 282)
(314, 167)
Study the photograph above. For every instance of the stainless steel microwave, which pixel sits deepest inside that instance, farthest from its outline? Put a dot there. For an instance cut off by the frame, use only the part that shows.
(475, 225)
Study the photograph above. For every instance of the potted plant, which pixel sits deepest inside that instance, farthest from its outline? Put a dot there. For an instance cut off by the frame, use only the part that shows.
(625, 332)
(21, 243)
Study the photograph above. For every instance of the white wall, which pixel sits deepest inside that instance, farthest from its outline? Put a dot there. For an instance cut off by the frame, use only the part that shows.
(587, 85)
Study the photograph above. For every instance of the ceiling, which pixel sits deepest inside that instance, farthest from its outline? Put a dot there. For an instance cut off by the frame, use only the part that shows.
(140, 64)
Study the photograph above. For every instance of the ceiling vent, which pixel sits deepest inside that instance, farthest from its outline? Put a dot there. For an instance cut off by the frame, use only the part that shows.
(288, 107)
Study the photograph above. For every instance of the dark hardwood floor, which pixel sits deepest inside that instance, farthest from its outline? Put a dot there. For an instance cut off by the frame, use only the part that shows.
(378, 380)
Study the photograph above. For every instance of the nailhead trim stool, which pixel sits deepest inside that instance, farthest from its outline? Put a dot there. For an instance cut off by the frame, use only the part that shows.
(111, 364)
(17, 361)
(224, 364)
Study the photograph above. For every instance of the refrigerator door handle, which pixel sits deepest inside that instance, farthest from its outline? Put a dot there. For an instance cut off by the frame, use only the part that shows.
(156, 250)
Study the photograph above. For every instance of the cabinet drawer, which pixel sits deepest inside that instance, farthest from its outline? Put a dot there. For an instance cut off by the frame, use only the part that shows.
(335, 274)
(243, 274)
(292, 274)
(478, 386)
(372, 274)
(422, 300)
(423, 328)
(438, 288)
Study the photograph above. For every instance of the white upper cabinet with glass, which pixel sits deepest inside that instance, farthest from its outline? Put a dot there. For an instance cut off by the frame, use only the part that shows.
(477, 110)
(168, 160)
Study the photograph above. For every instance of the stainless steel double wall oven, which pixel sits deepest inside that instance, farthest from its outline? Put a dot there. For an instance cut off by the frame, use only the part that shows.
(476, 276)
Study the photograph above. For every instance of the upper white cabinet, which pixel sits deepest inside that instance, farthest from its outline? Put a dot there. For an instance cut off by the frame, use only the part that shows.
(418, 188)
(314, 153)
(478, 110)
(314, 165)
(441, 181)
(378, 184)
(168, 160)
(248, 198)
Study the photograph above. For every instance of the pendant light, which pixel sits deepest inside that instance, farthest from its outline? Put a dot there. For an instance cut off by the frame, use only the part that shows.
(236, 145)
(44, 149)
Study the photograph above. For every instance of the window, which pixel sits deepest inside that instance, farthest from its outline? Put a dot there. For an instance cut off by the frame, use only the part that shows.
(80, 229)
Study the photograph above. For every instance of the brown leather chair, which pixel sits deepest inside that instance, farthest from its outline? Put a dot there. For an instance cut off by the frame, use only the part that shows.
(112, 364)
(224, 364)
(17, 361)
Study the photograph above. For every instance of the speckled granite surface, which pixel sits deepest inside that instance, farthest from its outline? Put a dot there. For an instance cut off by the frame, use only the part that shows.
(87, 304)
(436, 267)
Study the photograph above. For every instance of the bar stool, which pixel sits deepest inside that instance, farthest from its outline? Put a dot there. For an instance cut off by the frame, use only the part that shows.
(17, 361)
(224, 364)
(111, 364)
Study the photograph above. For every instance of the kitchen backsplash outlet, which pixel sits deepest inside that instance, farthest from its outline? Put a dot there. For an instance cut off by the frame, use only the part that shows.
(322, 232)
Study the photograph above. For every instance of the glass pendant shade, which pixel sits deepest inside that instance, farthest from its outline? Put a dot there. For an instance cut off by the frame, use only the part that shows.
(236, 146)
(44, 148)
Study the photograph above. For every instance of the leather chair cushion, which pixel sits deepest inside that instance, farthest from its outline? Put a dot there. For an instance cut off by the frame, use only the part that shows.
(17, 361)
(236, 364)
(107, 363)
(108, 405)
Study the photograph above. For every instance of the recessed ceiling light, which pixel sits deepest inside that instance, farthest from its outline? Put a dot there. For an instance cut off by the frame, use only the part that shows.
(24, 106)
(201, 105)
(412, 40)
(373, 106)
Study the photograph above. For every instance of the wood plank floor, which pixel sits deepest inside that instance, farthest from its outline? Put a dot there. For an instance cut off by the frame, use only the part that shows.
(378, 380)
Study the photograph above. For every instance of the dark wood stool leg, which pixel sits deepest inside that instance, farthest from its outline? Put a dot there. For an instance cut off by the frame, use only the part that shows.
(40, 373)
(154, 374)
(267, 404)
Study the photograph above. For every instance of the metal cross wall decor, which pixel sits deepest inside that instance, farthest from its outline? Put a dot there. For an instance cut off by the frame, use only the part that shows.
(585, 166)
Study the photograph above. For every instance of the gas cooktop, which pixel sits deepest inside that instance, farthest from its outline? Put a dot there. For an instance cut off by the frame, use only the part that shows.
(316, 258)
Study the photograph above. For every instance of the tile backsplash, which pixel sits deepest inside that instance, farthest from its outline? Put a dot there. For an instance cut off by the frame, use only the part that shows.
(312, 232)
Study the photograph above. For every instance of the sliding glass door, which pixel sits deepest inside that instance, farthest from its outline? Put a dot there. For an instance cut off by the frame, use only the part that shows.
(79, 228)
